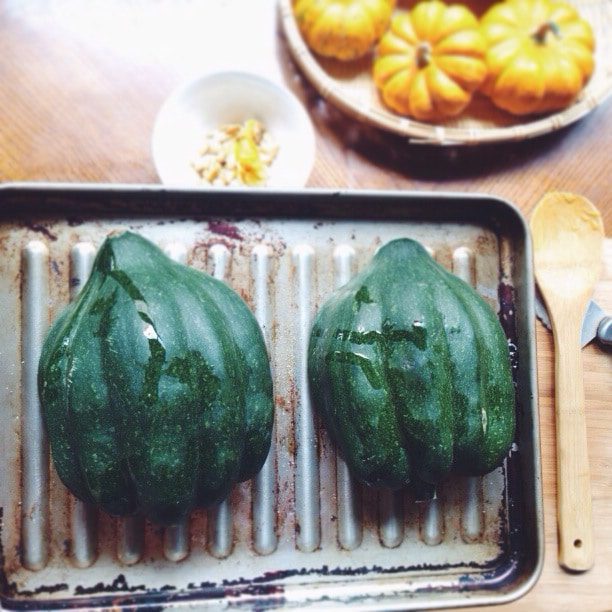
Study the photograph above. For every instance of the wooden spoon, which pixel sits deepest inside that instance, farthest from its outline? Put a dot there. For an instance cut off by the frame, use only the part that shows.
(568, 237)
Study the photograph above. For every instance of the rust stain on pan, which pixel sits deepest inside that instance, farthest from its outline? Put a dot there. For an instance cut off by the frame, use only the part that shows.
(223, 228)
(485, 243)
(118, 585)
(41, 228)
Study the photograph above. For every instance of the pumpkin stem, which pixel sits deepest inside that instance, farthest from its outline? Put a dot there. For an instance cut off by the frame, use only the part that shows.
(548, 26)
(423, 54)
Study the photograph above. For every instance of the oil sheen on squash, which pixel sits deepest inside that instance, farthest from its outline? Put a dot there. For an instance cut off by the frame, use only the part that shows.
(155, 386)
(410, 370)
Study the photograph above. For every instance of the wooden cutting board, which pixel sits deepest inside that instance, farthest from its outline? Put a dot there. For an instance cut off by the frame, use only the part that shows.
(603, 292)
(555, 585)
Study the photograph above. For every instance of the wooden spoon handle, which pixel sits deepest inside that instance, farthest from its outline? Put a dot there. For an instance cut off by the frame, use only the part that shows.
(574, 516)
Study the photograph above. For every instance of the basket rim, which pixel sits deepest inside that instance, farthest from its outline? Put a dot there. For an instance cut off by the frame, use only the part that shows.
(419, 132)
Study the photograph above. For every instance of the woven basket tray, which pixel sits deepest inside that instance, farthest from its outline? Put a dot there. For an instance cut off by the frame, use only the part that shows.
(349, 86)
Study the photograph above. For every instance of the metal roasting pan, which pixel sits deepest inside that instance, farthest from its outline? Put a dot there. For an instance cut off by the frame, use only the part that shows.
(302, 534)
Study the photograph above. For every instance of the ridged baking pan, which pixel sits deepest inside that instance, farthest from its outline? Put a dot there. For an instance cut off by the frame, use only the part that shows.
(302, 533)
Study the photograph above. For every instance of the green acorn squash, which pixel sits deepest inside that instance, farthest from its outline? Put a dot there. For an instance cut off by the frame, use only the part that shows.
(155, 386)
(410, 371)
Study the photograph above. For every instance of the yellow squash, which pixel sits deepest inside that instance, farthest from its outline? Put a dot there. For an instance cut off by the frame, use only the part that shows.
(430, 61)
(344, 29)
(540, 55)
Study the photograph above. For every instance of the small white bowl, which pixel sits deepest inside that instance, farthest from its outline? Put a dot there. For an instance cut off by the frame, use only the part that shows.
(213, 100)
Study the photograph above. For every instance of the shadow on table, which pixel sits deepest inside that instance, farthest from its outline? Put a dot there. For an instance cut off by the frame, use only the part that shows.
(424, 161)
(414, 161)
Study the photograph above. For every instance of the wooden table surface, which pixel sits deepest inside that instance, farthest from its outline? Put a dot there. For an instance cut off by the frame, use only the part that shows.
(81, 82)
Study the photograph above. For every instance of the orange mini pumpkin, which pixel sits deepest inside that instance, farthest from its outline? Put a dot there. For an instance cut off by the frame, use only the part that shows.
(540, 55)
(430, 61)
(344, 29)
